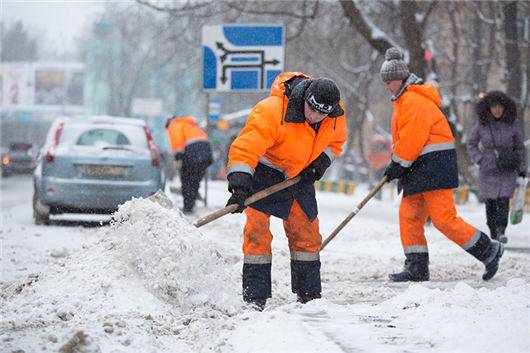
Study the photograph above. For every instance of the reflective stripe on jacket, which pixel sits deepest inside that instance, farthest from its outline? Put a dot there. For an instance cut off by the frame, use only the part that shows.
(422, 139)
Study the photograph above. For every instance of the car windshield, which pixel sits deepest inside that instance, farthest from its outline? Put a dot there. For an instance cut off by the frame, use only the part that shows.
(105, 135)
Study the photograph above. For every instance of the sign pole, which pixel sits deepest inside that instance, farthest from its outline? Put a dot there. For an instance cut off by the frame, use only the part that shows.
(206, 189)
(208, 131)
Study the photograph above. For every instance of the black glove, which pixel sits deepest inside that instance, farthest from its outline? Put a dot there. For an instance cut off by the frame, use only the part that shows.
(316, 169)
(522, 174)
(394, 171)
(240, 185)
(179, 156)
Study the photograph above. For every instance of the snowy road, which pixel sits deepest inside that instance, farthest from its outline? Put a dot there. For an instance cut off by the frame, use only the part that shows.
(153, 283)
(26, 248)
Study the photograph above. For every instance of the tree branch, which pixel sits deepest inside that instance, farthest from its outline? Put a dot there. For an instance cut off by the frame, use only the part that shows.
(427, 13)
(175, 10)
(375, 36)
(235, 5)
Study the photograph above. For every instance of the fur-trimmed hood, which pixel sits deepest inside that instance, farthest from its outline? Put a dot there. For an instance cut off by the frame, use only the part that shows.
(492, 98)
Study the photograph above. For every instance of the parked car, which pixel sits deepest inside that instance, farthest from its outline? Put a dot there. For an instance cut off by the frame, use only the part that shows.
(20, 158)
(94, 164)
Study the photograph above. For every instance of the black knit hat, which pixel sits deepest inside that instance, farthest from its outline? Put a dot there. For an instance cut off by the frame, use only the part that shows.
(324, 95)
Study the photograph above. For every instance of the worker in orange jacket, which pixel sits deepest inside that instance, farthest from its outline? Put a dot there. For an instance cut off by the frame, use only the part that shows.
(424, 161)
(298, 130)
(190, 145)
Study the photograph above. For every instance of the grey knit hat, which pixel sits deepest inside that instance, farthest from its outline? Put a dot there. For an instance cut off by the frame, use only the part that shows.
(394, 68)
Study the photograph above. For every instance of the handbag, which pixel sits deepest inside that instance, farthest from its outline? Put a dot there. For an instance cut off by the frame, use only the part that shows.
(505, 157)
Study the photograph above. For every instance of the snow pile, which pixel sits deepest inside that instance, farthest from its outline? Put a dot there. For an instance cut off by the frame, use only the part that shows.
(150, 274)
(87, 291)
(175, 260)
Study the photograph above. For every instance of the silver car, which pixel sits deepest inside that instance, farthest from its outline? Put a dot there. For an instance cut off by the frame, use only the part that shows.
(93, 164)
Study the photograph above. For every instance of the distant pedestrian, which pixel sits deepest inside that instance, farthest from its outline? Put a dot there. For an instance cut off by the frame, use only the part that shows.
(496, 145)
(424, 161)
(190, 145)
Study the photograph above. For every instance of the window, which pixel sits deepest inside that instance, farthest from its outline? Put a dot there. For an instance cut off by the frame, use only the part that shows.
(21, 147)
(93, 136)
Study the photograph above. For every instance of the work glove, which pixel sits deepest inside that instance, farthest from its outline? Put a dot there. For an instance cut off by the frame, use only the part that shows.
(240, 185)
(179, 156)
(316, 169)
(394, 171)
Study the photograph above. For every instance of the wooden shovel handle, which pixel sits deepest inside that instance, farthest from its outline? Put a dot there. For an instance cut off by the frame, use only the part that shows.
(352, 214)
(257, 196)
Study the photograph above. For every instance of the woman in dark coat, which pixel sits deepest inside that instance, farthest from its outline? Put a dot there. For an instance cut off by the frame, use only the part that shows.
(497, 126)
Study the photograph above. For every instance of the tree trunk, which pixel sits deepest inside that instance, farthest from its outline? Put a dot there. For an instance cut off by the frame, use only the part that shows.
(355, 16)
(513, 56)
(455, 41)
(413, 37)
(477, 79)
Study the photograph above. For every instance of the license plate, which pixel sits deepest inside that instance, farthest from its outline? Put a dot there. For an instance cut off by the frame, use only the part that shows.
(103, 170)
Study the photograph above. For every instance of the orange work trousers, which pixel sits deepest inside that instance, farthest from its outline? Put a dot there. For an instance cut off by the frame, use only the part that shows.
(439, 205)
(303, 235)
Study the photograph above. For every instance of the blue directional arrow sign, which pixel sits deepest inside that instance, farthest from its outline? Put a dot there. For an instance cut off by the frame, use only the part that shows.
(241, 57)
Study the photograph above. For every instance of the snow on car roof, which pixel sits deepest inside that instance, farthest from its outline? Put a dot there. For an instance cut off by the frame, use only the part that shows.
(102, 119)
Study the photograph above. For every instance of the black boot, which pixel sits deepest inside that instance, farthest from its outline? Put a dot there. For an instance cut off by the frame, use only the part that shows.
(256, 285)
(493, 233)
(187, 210)
(305, 280)
(501, 236)
(257, 304)
(493, 265)
(306, 297)
(416, 269)
(489, 252)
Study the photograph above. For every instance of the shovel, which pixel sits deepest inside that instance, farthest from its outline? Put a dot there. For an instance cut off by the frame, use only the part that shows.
(352, 214)
(257, 196)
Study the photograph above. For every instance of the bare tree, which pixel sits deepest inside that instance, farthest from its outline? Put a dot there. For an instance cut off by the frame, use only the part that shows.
(130, 46)
(17, 44)
(413, 15)
(338, 39)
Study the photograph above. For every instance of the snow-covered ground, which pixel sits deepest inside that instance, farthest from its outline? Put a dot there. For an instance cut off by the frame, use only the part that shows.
(151, 282)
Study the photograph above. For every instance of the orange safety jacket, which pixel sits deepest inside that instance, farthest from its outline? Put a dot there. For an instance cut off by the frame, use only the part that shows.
(277, 143)
(186, 137)
(422, 139)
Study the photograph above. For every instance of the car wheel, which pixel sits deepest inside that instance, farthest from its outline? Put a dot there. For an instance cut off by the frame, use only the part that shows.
(41, 212)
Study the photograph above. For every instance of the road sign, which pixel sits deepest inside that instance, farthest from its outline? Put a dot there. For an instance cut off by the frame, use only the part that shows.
(241, 57)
